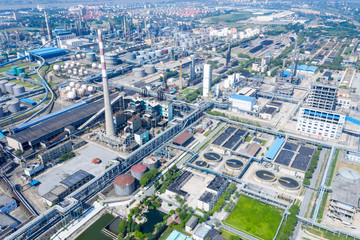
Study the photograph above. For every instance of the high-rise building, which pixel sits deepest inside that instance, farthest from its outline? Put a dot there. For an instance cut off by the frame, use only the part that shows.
(207, 80)
(319, 116)
(192, 69)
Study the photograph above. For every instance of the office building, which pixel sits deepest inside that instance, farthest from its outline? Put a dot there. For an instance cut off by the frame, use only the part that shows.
(319, 116)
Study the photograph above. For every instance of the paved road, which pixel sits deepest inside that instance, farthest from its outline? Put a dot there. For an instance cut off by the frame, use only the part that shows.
(241, 234)
(308, 192)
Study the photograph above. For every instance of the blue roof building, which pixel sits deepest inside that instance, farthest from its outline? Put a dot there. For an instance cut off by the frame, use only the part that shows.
(275, 148)
(242, 103)
(175, 235)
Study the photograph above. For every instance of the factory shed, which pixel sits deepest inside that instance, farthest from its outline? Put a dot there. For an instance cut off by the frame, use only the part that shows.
(50, 128)
(176, 186)
(275, 148)
(253, 149)
(77, 179)
(183, 139)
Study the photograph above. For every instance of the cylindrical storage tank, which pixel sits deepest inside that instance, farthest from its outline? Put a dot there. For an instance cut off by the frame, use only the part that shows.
(140, 57)
(90, 57)
(14, 106)
(138, 170)
(2, 84)
(124, 185)
(25, 75)
(71, 84)
(84, 86)
(111, 59)
(150, 69)
(18, 89)
(139, 72)
(9, 87)
(20, 70)
(151, 162)
(130, 56)
(1, 112)
(83, 55)
(158, 53)
(94, 65)
(14, 69)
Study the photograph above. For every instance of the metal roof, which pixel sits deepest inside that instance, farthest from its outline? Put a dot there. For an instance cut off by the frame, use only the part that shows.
(75, 178)
(242, 98)
(61, 121)
(274, 149)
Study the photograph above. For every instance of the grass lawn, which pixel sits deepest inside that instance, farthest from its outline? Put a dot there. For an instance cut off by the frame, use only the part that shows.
(25, 84)
(248, 139)
(226, 234)
(254, 217)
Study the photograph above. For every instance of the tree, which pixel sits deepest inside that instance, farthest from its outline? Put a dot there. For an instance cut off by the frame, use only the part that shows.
(139, 235)
(122, 228)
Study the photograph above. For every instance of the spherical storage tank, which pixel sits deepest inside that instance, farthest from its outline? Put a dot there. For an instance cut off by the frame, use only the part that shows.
(9, 87)
(14, 106)
(2, 84)
(138, 170)
(139, 72)
(56, 67)
(124, 185)
(90, 57)
(18, 89)
(90, 89)
(151, 162)
(150, 69)
(71, 95)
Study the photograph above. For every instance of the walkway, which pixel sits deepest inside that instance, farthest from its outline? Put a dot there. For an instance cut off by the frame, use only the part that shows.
(64, 234)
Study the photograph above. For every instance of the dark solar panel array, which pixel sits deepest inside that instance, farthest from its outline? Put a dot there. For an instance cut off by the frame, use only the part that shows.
(220, 139)
(306, 151)
(284, 157)
(301, 162)
(291, 146)
(231, 143)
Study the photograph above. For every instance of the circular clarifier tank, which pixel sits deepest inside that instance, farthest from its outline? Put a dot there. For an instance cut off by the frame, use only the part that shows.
(201, 163)
(212, 157)
(289, 183)
(265, 175)
(234, 164)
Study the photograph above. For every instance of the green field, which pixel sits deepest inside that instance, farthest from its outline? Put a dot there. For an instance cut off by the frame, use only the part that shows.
(255, 218)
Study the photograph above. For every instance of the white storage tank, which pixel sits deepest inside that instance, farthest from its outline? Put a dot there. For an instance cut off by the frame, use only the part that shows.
(90, 57)
(139, 72)
(18, 89)
(150, 69)
(71, 95)
(13, 106)
(151, 162)
(90, 89)
(9, 87)
(2, 85)
(130, 56)
(138, 170)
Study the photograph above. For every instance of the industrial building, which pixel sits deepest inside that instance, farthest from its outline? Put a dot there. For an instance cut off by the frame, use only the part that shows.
(207, 78)
(67, 186)
(47, 52)
(213, 192)
(183, 139)
(175, 187)
(345, 197)
(7, 204)
(46, 130)
(6, 223)
(241, 103)
(319, 116)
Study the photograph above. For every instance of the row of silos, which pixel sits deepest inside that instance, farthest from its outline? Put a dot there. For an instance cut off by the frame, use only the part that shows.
(124, 184)
(11, 87)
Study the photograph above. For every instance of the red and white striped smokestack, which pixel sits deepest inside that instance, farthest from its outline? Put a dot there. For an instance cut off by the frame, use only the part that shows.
(109, 123)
